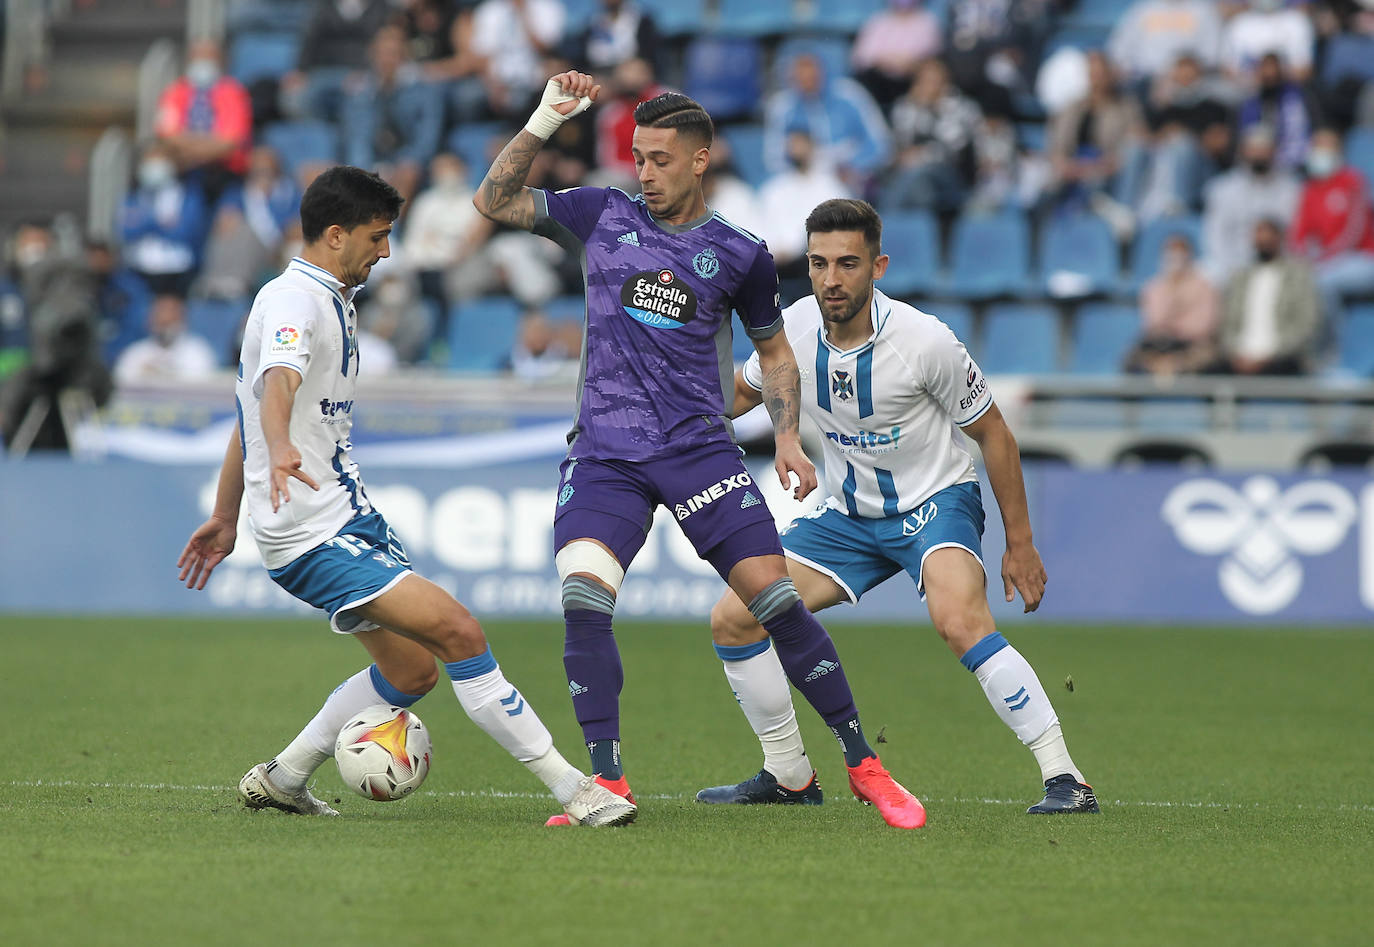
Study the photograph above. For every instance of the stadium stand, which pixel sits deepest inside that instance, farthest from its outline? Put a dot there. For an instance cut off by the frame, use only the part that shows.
(990, 256)
(481, 334)
(1019, 339)
(1102, 335)
(912, 241)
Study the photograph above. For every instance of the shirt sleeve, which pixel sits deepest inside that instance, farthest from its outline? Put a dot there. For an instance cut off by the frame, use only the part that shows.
(289, 330)
(753, 372)
(757, 300)
(572, 212)
(953, 378)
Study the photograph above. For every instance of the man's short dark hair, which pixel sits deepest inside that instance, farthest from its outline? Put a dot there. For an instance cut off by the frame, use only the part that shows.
(847, 214)
(675, 110)
(349, 197)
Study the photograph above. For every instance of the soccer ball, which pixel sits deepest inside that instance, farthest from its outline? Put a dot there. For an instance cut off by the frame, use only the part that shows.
(383, 753)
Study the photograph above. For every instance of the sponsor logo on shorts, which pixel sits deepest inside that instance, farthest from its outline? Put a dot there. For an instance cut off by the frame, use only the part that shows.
(918, 518)
(821, 670)
(659, 300)
(749, 501)
(705, 264)
(287, 338)
(712, 493)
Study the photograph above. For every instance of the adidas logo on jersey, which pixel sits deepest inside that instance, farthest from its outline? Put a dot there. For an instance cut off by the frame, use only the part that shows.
(575, 688)
(749, 501)
(821, 670)
(632, 238)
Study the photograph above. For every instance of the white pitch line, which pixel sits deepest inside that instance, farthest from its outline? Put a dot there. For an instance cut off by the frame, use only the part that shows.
(672, 797)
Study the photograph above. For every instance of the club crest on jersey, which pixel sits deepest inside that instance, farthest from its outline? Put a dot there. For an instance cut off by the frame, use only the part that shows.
(842, 384)
(287, 338)
(659, 299)
(705, 263)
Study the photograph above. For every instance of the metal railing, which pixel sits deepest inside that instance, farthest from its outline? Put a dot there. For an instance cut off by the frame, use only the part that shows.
(111, 164)
(26, 41)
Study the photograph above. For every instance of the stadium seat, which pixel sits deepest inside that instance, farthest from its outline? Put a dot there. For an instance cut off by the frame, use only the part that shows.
(1102, 13)
(912, 240)
(218, 322)
(958, 316)
(1359, 151)
(1079, 256)
(753, 17)
(579, 14)
(1076, 35)
(263, 55)
(1348, 55)
(474, 142)
(1102, 335)
(832, 51)
(725, 74)
(1357, 341)
(676, 17)
(990, 256)
(1019, 339)
(567, 308)
(267, 15)
(301, 142)
(1149, 245)
(482, 333)
(746, 144)
(846, 17)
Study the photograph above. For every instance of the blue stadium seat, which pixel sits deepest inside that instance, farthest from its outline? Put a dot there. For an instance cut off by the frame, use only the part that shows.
(482, 333)
(1078, 255)
(1348, 55)
(676, 17)
(912, 240)
(958, 316)
(832, 51)
(218, 322)
(1031, 136)
(302, 142)
(474, 143)
(753, 17)
(1019, 339)
(1102, 335)
(1102, 13)
(840, 17)
(1357, 341)
(267, 15)
(1084, 36)
(263, 55)
(746, 144)
(579, 14)
(725, 74)
(989, 256)
(1359, 151)
(1149, 244)
(567, 308)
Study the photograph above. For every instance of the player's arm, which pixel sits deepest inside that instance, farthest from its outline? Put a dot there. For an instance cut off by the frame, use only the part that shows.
(747, 397)
(502, 196)
(215, 538)
(1022, 570)
(782, 395)
(279, 386)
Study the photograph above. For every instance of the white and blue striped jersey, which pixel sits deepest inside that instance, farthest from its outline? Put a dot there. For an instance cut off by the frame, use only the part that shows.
(303, 320)
(889, 409)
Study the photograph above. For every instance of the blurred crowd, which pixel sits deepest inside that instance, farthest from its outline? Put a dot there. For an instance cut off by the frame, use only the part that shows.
(1232, 119)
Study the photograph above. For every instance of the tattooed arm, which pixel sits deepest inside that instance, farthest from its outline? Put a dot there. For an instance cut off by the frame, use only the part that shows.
(782, 396)
(502, 196)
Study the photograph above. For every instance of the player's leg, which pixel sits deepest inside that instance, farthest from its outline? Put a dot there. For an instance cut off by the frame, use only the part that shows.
(760, 686)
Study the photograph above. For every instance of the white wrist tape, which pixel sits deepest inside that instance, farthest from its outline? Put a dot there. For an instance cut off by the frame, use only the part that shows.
(546, 119)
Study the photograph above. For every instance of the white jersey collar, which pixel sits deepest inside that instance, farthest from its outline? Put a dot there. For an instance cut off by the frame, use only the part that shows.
(880, 307)
(320, 275)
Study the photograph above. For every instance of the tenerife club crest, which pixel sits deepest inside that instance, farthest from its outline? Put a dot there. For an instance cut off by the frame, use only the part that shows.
(705, 263)
(842, 385)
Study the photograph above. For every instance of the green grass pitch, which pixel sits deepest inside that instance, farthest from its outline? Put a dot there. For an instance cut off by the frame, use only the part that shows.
(1234, 768)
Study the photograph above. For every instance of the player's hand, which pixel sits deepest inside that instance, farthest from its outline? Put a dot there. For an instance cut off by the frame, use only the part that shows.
(565, 95)
(206, 548)
(577, 84)
(286, 463)
(1022, 571)
(792, 460)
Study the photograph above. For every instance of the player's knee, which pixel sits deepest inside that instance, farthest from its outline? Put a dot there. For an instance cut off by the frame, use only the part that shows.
(731, 623)
(458, 636)
(962, 629)
(416, 677)
(590, 577)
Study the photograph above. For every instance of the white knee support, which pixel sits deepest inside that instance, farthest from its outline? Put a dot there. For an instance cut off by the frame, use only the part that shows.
(589, 558)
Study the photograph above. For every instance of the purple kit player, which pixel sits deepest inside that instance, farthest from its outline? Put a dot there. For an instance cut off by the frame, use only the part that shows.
(663, 273)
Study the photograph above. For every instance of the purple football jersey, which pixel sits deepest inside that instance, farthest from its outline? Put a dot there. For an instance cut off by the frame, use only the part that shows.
(657, 370)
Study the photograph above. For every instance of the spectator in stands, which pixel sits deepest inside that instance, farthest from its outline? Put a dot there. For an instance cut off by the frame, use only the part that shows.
(727, 193)
(1152, 34)
(334, 44)
(163, 223)
(440, 35)
(1346, 39)
(1271, 316)
(392, 117)
(1093, 146)
(632, 82)
(444, 231)
(1180, 315)
(619, 31)
(122, 299)
(1007, 173)
(1235, 201)
(544, 348)
(394, 326)
(786, 199)
(1284, 106)
(205, 121)
(513, 36)
(1267, 27)
(170, 351)
(933, 127)
(1334, 229)
(994, 48)
(836, 114)
(890, 46)
(251, 224)
(1190, 126)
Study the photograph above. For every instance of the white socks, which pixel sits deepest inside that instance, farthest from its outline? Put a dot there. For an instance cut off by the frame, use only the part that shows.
(293, 766)
(760, 686)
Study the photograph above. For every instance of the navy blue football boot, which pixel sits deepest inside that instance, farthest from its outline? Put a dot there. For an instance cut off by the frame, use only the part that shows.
(1064, 794)
(763, 789)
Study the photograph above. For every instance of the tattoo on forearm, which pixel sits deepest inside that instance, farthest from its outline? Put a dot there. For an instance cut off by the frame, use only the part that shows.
(782, 395)
(505, 180)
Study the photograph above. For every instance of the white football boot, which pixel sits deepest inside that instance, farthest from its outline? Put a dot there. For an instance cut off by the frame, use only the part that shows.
(257, 791)
(594, 805)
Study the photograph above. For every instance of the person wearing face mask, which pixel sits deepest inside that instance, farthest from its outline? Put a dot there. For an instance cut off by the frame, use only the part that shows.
(443, 230)
(169, 352)
(890, 46)
(250, 225)
(1280, 103)
(162, 224)
(205, 120)
(1235, 201)
(1334, 230)
(1179, 312)
(785, 199)
(1271, 315)
(1267, 27)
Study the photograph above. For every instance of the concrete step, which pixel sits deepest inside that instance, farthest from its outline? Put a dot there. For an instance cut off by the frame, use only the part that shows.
(45, 150)
(41, 198)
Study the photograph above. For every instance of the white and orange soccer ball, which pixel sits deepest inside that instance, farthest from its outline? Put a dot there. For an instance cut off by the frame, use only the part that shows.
(383, 753)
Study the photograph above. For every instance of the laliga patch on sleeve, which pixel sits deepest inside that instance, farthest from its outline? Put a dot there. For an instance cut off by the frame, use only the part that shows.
(286, 340)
